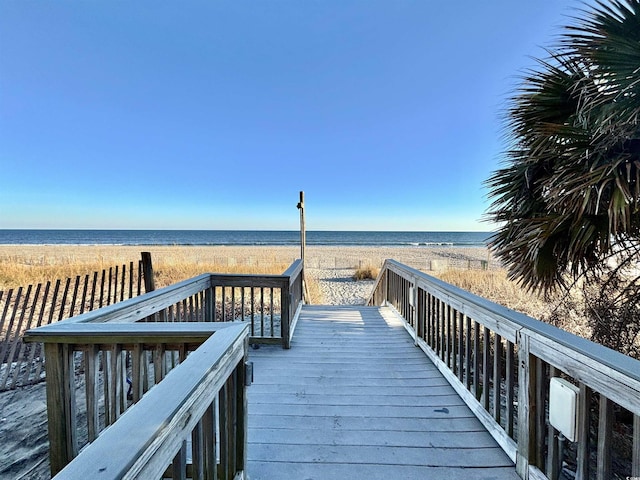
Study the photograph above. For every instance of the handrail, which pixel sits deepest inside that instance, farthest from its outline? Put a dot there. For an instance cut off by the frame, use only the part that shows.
(156, 429)
(138, 308)
(294, 302)
(475, 343)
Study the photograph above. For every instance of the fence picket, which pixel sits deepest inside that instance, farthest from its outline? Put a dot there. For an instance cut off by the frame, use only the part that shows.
(85, 284)
(74, 298)
(63, 302)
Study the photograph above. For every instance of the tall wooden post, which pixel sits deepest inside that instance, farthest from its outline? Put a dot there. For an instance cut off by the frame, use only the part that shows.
(303, 241)
(302, 228)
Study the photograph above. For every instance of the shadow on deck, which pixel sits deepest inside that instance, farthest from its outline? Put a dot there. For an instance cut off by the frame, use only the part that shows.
(354, 398)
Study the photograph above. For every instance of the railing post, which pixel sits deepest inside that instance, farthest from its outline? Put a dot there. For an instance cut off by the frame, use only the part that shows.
(242, 411)
(209, 304)
(526, 407)
(61, 403)
(285, 313)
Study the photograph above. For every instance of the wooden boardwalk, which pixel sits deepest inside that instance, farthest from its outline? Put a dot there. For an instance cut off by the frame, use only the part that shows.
(354, 399)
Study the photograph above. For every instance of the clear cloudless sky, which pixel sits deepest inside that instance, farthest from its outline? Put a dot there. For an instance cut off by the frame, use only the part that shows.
(215, 114)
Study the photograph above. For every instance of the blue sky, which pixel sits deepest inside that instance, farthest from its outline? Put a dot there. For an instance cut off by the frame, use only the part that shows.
(215, 114)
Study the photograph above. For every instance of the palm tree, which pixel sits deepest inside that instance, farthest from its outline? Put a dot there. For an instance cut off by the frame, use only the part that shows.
(568, 197)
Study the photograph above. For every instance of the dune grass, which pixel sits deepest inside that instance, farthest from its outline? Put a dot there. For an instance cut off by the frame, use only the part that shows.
(30, 266)
(366, 273)
(563, 311)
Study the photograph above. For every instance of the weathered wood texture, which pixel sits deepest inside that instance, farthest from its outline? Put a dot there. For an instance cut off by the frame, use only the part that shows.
(354, 398)
(160, 429)
(153, 350)
(513, 401)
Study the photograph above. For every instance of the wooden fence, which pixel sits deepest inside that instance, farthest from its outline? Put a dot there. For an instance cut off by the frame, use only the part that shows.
(33, 306)
(101, 363)
(501, 363)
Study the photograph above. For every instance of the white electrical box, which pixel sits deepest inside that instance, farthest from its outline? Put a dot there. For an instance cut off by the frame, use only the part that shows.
(563, 407)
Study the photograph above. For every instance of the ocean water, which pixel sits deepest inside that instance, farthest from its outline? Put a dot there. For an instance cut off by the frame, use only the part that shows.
(240, 237)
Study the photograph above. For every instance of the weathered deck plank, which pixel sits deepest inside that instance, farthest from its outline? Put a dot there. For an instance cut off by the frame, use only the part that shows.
(353, 398)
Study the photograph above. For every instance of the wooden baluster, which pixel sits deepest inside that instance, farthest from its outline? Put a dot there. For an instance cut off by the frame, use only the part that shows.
(467, 353)
(476, 360)
(242, 303)
(214, 290)
(443, 331)
(486, 361)
(553, 447)
(635, 461)
(115, 382)
(209, 448)
(542, 387)
(261, 312)
(242, 417)
(159, 365)
(197, 451)
(583, 427)
(449, 339)
(223, 300)
(526, 407)
(107, 386)
(605, 435)
(193, 312)
(224, 426)
(92, 384)
(429, 338)
(136, 372)
(509, 385)
(461, 350)
(497, 378)
(253, 311)
(179, 464)
(282, 317)
(61, 405)
(233, 304)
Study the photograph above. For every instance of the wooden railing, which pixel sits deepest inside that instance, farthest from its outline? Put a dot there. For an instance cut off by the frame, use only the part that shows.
(501, 362)
(101, 363)
(204, 394)
(270, 303)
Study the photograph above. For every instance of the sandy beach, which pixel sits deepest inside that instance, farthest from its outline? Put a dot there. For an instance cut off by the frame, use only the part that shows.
(23, 434)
